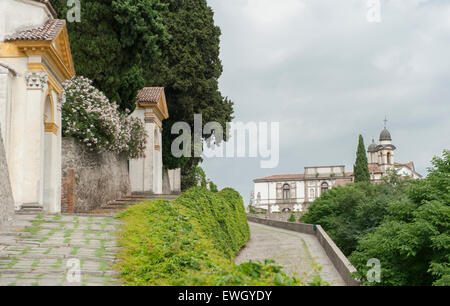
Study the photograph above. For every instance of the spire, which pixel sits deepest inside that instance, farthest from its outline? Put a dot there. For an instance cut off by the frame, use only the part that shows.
(385, 122)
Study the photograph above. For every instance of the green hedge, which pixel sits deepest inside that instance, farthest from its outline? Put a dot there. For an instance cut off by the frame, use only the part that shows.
(191, 241)
(221, 215)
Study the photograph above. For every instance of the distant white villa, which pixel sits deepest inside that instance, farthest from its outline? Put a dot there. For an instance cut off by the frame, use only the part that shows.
(294, 192)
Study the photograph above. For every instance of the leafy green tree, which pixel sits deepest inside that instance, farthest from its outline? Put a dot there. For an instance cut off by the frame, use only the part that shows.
(189, 70)
(413, 242)
(116, 43)
(348, 212)
(361, 168)
(124, 45)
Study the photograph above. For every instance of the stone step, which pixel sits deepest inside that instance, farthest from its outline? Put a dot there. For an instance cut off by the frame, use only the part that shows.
(56, 280)
(94, 220)
(109, 260)
(110, 245)
(29, 211)
(55, 271)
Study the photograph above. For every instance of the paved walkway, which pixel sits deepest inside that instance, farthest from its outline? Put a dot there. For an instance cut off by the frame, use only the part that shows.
(46, 250)
(298, 253)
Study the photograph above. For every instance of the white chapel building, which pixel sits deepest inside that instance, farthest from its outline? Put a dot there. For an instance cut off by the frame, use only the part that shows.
(35, 59)
(295, 192)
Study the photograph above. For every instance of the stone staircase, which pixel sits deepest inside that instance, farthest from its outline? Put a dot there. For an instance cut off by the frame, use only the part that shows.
(30, 209)
(117, 206)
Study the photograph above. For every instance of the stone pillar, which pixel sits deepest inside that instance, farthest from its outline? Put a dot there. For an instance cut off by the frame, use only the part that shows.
(175, 180)
(33, 144)
(146, 172)
(6, 199)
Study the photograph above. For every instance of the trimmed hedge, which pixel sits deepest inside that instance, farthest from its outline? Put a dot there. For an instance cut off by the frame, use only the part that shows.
(221, 215)
(191, 241)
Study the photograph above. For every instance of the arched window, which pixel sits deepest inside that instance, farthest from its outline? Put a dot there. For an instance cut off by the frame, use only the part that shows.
(286, 192)
(389, 158)
(324, 187)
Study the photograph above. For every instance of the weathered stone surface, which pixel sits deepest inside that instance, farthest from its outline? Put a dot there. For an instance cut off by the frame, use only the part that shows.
(45, 256)
(6, 199)
(91, 179)
(334, 254)
(298, 253)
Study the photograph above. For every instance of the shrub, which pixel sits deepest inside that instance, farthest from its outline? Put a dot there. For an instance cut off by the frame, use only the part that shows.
(90, 117)
(191, 241)
(291, 218)
(222, 216)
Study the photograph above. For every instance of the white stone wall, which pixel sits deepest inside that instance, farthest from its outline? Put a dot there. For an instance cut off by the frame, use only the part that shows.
(175, 180)
(301, 191)
(6, 200)
(20, 14)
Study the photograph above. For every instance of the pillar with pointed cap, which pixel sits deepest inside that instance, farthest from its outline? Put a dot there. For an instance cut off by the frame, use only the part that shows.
(146, 173)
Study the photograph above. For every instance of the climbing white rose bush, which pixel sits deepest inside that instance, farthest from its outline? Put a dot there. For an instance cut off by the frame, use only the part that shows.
(88, 115)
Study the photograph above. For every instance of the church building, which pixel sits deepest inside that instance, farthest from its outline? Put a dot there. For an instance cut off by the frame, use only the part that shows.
(295, 192)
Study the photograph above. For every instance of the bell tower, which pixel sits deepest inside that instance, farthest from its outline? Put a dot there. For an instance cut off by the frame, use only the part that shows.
(385, 150)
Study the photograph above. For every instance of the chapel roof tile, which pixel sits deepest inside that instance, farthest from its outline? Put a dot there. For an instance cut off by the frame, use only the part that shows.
(149, 94)
(46, 32)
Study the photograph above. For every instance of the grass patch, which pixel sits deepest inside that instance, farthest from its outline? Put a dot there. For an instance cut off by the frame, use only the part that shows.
(75, 251)
(32, 230)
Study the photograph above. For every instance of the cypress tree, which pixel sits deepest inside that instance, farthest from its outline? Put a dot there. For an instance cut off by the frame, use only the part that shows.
(124, 45)
(116, 43)
(189, 69)
(361, 167)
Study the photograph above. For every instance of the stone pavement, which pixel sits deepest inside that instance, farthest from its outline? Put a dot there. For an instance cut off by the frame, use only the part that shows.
(298, 253)
(46, 250)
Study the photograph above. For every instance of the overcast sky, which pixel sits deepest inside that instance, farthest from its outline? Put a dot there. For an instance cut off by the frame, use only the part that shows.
(326, 74)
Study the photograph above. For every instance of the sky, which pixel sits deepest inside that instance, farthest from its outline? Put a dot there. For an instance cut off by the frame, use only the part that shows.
(327, 74)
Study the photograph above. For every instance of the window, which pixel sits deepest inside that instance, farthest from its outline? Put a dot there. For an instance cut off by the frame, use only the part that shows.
(311, 193)
(389, 158)
(324, 187)
(286, 192)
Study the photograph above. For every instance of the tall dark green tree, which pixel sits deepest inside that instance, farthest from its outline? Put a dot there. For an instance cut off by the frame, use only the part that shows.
(361, 167)
(189, 70)
(115, 43)
(124, 45)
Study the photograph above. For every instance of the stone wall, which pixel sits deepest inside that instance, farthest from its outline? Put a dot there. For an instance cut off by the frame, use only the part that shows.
(91, 180)
(340, 262)
(6, 199)
(282, 216)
